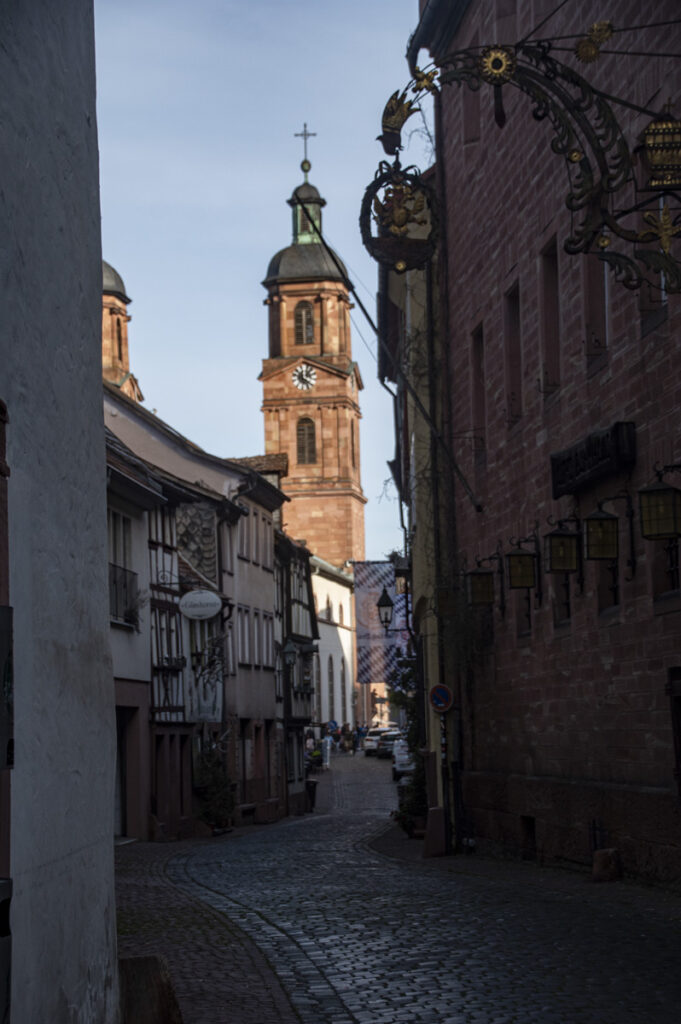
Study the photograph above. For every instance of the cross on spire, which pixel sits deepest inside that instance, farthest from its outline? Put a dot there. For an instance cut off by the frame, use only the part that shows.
(304, 135)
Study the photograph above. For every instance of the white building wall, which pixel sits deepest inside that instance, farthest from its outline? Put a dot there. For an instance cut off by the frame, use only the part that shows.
(250, 693)
(336, 641)
(62, 912)
(130, 647)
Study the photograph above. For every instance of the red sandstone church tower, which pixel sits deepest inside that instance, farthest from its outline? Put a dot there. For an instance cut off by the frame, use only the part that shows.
(311, 388)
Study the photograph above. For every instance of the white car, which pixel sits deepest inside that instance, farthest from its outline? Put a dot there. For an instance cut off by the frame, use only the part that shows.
(372, 737)
(403, 761)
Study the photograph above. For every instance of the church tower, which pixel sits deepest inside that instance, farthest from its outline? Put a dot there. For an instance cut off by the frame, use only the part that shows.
(115, 320)
(311, 388)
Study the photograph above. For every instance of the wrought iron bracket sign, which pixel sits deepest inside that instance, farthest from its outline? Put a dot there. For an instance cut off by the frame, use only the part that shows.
(398, 218)
(624, 195)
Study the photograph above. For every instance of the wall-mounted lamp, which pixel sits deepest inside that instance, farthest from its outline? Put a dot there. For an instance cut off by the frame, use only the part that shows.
(524, 567)
(386, 608)
(290, 653)
(561, 548)
(480, 582)
(601, 536)
(660, 507)
(601, 533)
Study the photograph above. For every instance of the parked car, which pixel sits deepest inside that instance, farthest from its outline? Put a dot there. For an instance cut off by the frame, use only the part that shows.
(403, 759)
(384, 747)
(372, 737)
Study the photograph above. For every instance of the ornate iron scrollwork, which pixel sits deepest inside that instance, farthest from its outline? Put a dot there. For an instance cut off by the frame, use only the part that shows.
(398, 218)
(630, 224)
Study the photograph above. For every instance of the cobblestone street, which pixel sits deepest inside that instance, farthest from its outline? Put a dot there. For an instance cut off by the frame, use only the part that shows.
(333, 918)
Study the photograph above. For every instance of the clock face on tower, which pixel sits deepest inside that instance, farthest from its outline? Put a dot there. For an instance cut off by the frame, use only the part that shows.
(304, 377)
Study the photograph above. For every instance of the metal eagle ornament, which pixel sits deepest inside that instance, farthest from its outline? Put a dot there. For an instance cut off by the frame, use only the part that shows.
(397, 219)
(624, 197)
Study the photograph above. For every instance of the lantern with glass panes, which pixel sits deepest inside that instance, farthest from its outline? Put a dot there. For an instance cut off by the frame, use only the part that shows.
(562, 548)
(480, 582)
(523, 567)
(660, 507)
(601, 533)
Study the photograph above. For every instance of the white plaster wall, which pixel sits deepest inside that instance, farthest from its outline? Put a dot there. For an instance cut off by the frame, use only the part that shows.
(251, 693)
(335, 640)
(62, 918)
(129, 647)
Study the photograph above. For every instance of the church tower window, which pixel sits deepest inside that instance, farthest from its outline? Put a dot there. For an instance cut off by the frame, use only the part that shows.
(305, 437)
(304, 324)
(119, 338)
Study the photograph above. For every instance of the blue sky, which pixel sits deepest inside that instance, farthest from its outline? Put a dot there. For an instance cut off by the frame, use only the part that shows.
(198, 105)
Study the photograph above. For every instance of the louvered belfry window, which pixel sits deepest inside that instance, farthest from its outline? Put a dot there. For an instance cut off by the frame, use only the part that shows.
(306, 441)
(304, 324)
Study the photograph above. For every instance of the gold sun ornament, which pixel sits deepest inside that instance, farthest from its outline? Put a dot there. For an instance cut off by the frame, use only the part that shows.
(497, 64)
(588, 49)
(600, 32)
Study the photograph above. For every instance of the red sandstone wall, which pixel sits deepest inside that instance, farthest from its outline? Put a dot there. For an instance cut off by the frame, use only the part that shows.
(585, 701)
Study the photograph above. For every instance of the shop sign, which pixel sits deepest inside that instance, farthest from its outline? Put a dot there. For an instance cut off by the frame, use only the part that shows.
(200, 604)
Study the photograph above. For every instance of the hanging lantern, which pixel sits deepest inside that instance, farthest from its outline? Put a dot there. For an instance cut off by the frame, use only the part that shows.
(480, 584)
(662, 148)
(601, 536)
(660, 511)
(561, 551)
(522, 569)
(385, 607)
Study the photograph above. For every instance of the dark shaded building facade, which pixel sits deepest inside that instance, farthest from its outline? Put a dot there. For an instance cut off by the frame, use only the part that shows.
(553, 393)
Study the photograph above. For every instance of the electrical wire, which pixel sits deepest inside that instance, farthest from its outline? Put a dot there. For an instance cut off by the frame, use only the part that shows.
(542, 23)
(620, 53)
(403, 379)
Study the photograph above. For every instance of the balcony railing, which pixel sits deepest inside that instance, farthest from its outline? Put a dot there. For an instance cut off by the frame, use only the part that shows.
(123, 605)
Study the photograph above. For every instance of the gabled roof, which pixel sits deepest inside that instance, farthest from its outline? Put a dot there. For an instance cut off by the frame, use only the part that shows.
(130, 477)
(274, 463)
(253, 483)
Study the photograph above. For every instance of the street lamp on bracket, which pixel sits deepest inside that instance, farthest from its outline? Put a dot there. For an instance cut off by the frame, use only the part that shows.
(624, 200)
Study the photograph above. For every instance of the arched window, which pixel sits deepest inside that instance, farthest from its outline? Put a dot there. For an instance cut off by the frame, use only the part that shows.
(119, 339)
(305, 437)
(329, 609)
(340, 614)
(304, 324)
(332, 693)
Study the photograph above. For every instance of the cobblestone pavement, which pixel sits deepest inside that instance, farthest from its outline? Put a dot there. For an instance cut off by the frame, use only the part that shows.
(359, 930)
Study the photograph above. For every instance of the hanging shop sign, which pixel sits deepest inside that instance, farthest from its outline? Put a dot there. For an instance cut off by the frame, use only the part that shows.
(200, 604)
(397, 220)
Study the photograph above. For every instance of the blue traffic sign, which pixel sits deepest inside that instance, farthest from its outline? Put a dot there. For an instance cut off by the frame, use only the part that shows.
(441, 698)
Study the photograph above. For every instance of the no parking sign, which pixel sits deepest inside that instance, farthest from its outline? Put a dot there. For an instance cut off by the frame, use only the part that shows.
(441, 698)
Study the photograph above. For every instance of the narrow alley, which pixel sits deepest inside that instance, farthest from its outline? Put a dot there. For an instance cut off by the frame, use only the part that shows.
(333, 918)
